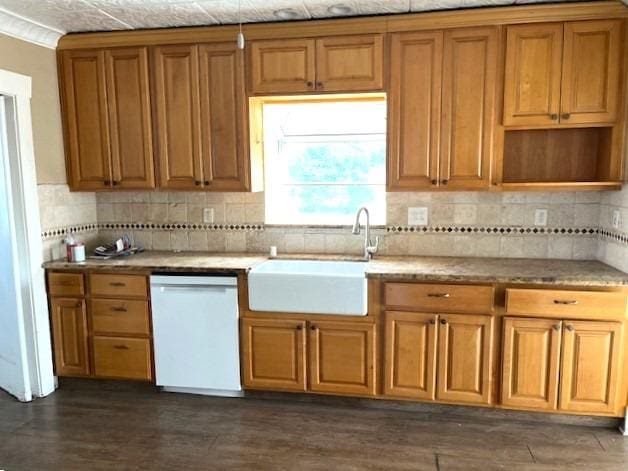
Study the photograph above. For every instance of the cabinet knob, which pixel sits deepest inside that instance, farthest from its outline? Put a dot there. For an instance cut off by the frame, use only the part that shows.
(432, 321)
(438, 295)
(554, 116)
(119, 309)
(310, 84)
(206, 182)
(198, 182)
(569, 327)
(319, 84)
(107, 182)
(569, 302)
(78, 304)
(565, 116)
(443, 321)
(313, 327)
(299, 327)
(117, 284)
(434, 182)
(444, 182)
(120, 347)
(556, 326)
(115, 183)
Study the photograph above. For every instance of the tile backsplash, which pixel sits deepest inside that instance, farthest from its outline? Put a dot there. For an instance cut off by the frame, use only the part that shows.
(613, 246)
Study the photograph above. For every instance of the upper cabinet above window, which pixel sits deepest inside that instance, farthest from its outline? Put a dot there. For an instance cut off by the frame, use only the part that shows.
(333, 64)
(562, 73)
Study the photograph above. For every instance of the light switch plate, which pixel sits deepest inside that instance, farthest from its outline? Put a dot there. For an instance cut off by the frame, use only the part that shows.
(208, 215)
(616, 219)
(417, 216)
(540, 217)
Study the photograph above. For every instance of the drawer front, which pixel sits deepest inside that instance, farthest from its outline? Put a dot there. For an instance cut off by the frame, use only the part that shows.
(566, 304)
(126, 286)
(66, 284)
(439, 298)
(119, 316)
(116, 357)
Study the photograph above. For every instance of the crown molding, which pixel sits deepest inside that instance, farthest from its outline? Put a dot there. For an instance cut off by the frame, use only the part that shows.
(28, 30)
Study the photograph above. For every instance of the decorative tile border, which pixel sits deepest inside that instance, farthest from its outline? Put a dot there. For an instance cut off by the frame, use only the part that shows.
(62, 231)
(495, 230)
(151, 226)
(614, 235)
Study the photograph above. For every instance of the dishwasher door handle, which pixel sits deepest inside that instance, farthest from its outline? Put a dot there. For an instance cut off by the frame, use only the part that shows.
(214, 288)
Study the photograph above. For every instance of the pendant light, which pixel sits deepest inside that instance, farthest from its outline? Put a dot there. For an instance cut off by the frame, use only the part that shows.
(240, 33)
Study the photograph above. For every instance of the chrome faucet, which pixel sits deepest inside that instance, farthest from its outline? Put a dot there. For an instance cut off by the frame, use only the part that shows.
(369, 249)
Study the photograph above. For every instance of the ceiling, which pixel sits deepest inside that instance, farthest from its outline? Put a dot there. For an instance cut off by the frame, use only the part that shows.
(65, 16)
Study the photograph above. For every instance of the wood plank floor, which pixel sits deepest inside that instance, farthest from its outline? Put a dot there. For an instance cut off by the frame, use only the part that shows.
(95, 425)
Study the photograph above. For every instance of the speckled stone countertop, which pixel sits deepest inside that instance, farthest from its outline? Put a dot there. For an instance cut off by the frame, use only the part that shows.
(435, 269)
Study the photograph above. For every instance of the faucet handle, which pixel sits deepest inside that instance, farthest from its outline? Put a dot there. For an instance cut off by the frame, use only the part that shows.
(371, 249)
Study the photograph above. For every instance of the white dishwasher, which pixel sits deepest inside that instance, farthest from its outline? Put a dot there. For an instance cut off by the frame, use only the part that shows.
(195, 334)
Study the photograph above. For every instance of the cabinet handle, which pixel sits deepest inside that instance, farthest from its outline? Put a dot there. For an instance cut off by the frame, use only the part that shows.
(554, 116)
(120, 347)
(438, 295)
(556, 326)
(78, 304)
(115, 182)
(443, 321)
(107, 182)
(319, 84)
(569, 302)
(434, 182)
(198, 182)
(569, 327)
(117, 284)
(444, 182)
(432, 321)
(313, 327)
(119, 309)
(565, 116)
(310, 84)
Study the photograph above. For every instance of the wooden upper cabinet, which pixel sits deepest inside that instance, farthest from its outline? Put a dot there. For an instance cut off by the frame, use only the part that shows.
(342, 357)
(533, 74)
(84, 100)
(273, 354)
(223, 117)
(591, 71)
(410, 363)
(128, 99)
(591, 366)
(414, 110)
(530, 363)
(177, 116)
(282, 66)
(468, 107)
(350, 63)
(464, 358)
(69, 332)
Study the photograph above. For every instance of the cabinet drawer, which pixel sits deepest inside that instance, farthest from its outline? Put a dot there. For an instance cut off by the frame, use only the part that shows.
(116, 357)
(66, 284)
(566, 304)
(126, 286)
(118, 316)
(439, 298)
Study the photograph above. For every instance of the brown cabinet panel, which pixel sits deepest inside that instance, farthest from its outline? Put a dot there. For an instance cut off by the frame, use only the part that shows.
(414, 110)
(468, 107)
(177, 116)
(119, 316)
(591, 71)
(273, 354)
(84, 95)
(530, 362)
(66, 284)
(439, 297)
(342, 357)
(464, 358)
(223, 117)
(533, 74)
(128, 99)
(124, 286)
(410, 363)
(124, 358)
(350, 63)
(282, 66)
(69, 331)
(590, 366)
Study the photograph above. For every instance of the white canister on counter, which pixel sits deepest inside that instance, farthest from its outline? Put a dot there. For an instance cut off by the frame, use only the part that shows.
(77, 252)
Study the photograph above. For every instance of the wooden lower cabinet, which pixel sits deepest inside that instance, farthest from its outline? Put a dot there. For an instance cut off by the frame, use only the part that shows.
(464, 358)
(530, 365)
(342, 357)
(590, 366)
(273, 354)
(122, 358)
(410, 361)
(69, 330)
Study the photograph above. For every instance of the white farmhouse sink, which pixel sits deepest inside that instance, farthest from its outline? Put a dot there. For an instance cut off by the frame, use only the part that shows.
(304, 286)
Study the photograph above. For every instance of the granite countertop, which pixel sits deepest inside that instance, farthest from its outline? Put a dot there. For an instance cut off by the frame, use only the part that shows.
(437, 269)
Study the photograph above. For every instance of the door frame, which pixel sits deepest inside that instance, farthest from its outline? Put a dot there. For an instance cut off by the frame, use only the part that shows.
(33, 319)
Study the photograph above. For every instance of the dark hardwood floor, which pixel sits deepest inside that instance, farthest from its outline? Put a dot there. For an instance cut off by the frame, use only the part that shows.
(111, 426)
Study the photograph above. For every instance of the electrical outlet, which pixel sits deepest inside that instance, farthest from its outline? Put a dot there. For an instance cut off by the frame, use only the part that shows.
(540, 217)
(417, 216)
(616, 219)
(208, 216)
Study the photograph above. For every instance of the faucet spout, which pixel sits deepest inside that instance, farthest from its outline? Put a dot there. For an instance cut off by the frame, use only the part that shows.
(369, 248)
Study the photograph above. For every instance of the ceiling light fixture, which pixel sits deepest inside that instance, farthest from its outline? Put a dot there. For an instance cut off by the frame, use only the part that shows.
(339, 9)
(286, 14)
(240, 40)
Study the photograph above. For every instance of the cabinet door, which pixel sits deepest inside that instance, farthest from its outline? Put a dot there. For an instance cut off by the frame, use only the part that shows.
(122, 358)
(84, 99)
(410, 366)
(342, 357)
(223, 117)
(350, 63)
(591, 71)
(469, 84)
(273, 354)
(532, 80)
(282, 66)
(590, 368)
(531, 353)
(414, 110)
(128, 98)
(178, 117)
(464, 358)
(69, 330)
